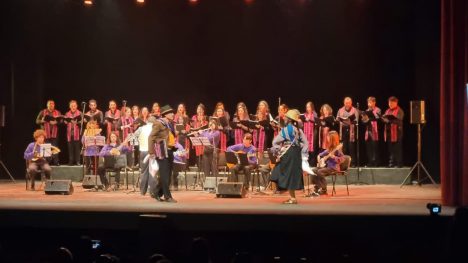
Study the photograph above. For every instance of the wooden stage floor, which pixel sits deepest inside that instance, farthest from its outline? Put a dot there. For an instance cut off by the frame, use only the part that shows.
(363, 200)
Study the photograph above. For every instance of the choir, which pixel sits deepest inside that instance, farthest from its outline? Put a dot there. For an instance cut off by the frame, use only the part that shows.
(255, 131)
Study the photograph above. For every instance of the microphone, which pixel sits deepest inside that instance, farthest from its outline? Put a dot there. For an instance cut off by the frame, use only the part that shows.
(124, 102)
(357, 105)
(83, 102)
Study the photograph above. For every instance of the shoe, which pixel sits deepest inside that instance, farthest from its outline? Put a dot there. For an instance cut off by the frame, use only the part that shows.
(322, 192)
(171, 200)
(290, 202)
(314, 194)
(158, 198)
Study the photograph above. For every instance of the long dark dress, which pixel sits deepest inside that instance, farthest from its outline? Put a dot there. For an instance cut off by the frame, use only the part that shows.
(288, 172)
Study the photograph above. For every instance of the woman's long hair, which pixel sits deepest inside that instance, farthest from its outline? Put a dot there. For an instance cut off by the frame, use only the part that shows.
(334, 140)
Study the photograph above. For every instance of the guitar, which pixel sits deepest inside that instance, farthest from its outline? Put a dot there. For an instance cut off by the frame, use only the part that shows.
(230, 165)
(322, 161)
(38, 155)
(116, 151)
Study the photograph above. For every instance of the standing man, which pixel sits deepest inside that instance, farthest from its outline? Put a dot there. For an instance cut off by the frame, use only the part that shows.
(142, 134)
(73, 120)
(371, 121)
(393, 134)
(48, 123)
(94, 114)
(161, 145)
(347, 116)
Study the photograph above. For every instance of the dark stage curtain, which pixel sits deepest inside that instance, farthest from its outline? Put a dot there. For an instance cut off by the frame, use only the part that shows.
(453, 102)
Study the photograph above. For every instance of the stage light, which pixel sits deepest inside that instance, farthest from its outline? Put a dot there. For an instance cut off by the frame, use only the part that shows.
(248, 2)
(434, 209)
(140, 2)
(88, 2)
(193, 2)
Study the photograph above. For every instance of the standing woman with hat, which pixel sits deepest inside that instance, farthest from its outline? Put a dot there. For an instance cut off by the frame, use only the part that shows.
(292, 147)
(161, 145)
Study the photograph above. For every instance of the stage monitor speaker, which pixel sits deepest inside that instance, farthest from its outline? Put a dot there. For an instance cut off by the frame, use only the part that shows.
(2, 116)
(61, 187)
(233, 190)
(210, 182)
(417, 114)
(92, 181)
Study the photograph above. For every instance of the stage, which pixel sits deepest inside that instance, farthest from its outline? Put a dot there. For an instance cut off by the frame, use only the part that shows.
(363, 200)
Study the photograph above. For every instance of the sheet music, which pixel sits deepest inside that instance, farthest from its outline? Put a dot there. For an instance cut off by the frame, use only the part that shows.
(205, 141)
(195, 141)
(95, 141)
(45, 150)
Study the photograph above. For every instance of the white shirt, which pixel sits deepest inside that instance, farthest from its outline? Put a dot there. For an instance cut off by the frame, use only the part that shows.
(142, 134)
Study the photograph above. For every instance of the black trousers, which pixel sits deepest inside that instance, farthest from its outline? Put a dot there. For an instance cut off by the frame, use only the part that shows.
(161, 187)
(349, 147)
(210, 163)
(372, 151)
(312, 159)
(74, 152)
(247, 173)
(395, 153)
(136, 155)
(102, 175)
(145, 178)
(90, 164)
(54, 159)
(35, 168)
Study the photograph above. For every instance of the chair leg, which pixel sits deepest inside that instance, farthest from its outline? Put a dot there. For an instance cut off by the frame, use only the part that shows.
(27, 181)
(333, 181)
(346, 179)
(185, 178)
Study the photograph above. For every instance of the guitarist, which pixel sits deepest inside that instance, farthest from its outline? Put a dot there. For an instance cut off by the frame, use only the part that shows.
(114, 148)
(35, 164)
(330, 160)
(245, 147)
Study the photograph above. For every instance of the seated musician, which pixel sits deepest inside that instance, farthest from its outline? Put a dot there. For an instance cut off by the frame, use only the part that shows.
(115, 149)
(330, 159)
(36, 163)
(247, 148)
(180, 159)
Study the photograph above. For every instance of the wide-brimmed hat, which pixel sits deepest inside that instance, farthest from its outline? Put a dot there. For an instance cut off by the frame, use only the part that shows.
(166, 109)
(293, 114)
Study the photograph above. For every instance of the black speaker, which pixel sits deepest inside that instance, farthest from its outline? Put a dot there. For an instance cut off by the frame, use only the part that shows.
(417, 114)
(2, 116)
(233, 190)
(210, 182)
(92, 181)
(61, 187)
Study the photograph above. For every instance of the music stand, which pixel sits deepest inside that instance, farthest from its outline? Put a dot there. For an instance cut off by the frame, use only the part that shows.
(196, 141)
(97, 141)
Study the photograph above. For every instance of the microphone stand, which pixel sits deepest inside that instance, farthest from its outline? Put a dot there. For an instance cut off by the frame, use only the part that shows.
(358, 165)
(83, 148)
